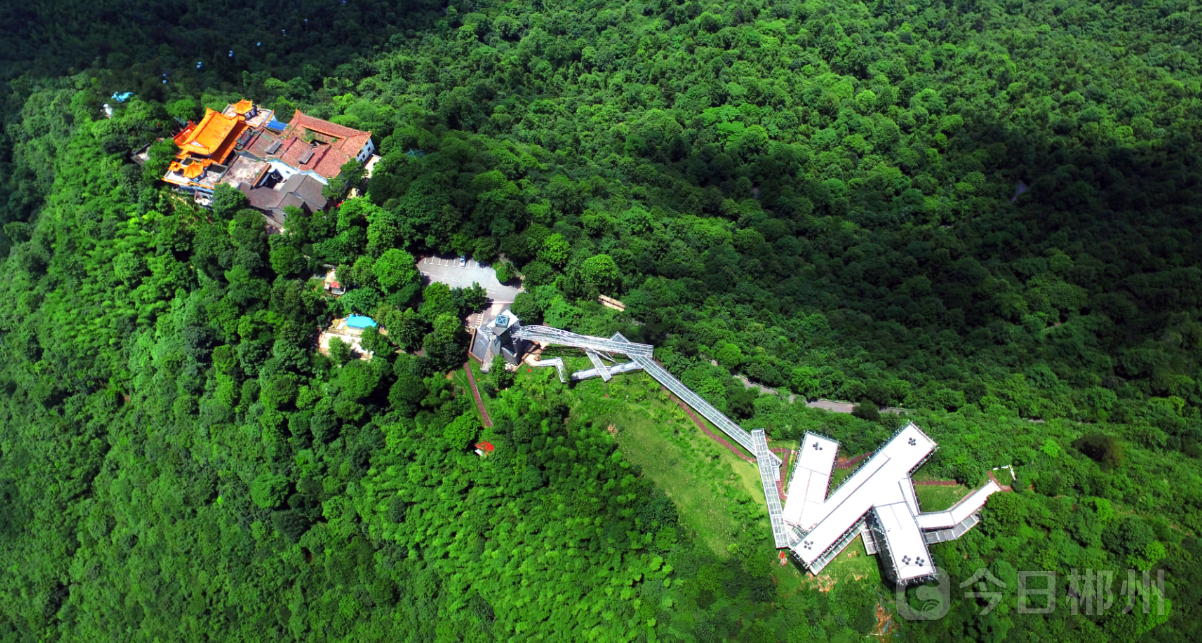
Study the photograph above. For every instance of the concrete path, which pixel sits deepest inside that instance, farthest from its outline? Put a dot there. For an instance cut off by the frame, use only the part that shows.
(448, 271)
(827, 405)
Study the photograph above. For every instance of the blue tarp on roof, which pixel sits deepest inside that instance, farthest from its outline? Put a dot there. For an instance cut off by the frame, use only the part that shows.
(276, 126)
(359, 321)
(121, 97)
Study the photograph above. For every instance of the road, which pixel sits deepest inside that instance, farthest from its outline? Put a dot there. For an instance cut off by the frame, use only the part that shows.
(447, 270)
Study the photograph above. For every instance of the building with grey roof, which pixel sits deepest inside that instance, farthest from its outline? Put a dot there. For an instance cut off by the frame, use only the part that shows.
(271, 196)
(495, 336)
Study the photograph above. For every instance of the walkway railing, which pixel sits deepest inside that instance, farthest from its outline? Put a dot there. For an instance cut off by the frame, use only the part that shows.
(549, 335)
(641, 356)
(769, 474)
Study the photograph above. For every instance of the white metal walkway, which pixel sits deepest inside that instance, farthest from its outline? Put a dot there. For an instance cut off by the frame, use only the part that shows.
(624, 367)
(769, 474)
(598, 365)
(557, 362)
(641, 356)
(548, 335)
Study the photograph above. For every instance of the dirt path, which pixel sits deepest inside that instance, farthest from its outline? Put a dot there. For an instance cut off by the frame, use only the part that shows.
(701, 425)
(784, 469)
(467, 368)
(848, 464)
(995, 481)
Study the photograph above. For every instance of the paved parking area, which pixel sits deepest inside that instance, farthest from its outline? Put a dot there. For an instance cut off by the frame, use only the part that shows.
(448, 271)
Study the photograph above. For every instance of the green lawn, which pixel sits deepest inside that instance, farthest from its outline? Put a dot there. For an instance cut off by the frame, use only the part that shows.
(748, 473)
(673, 468)
(934, 498)
(852, 564)
(699, 475)
(837, 478)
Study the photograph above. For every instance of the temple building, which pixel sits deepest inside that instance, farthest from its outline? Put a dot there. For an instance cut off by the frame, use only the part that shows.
(274, 165)
(350, 142)
(310, 146)
(205, 150)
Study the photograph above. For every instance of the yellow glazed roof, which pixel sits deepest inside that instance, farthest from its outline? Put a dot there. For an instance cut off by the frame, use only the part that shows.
(209, 133)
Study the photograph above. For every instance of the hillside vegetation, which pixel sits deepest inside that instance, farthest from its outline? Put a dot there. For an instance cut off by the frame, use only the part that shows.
(985, 212)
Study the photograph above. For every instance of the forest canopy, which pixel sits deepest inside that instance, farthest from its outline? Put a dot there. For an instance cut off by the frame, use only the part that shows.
(983, 213)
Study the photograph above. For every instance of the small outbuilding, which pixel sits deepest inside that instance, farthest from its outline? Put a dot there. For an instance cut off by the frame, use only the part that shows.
(360, 322)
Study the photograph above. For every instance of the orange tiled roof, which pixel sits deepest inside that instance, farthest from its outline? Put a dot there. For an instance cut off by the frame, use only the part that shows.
(243, 106)
(223, 152)
(183, 135)
(211, 134)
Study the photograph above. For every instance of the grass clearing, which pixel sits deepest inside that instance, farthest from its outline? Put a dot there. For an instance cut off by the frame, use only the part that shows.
(669, 464)
(748, 473)
(704, 479)
(852, 564)
(938, 498)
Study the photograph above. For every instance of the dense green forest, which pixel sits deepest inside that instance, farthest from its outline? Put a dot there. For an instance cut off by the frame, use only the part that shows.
(983, 212)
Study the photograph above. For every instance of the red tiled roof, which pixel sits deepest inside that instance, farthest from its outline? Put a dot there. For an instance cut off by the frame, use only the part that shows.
(258, 145)
(486, 447)
(349, 142)
(326, 160)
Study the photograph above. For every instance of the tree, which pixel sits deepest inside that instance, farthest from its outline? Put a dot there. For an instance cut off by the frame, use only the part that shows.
(290, 524)
(730, 356)
(485, 251)
(867, 410)
(470, 300)
(526, 308)
(340, 351)
(555, 250)
(405, 329)
(397, 509)
(286, 260)
(1101, 448)
(562, 314)
(504, 271)
(438, 302)
(269, 490)
(375, 342)
(602, 272)
(406, 393)
(227, 201)
(185, 108)
(357, 380)
(447, 344)
(350, 176)
(395, 268)
(159, 158)
(461, 432)
(501, 376)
